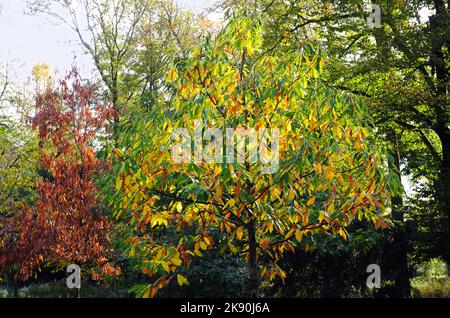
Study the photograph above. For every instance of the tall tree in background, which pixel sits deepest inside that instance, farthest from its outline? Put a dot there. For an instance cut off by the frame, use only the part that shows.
(107, 31)
(131, 42)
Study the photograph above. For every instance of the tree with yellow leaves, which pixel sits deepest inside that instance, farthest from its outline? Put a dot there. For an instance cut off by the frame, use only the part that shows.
(306, 166)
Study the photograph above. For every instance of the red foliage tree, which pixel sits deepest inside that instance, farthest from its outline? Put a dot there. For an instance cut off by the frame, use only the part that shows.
(66, 224)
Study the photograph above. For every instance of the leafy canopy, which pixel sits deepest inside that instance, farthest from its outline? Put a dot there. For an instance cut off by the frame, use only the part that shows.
(328, 171)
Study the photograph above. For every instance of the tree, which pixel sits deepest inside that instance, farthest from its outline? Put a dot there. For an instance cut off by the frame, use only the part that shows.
(108, 31)
(400, 69)
(4, 84)
(320, 171)
(66, 224)
(131, 43)
(18, 160)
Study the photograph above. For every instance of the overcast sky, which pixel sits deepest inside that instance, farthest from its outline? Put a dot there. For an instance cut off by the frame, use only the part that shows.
(28, 40)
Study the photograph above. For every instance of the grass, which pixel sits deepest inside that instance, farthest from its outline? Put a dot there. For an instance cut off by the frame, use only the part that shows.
(433, 280)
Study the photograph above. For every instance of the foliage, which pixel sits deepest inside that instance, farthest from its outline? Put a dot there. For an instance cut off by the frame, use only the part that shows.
(433, 279)
(327, 176)
(92, 177)
(66, 224)
(400, 68)
(18, 161)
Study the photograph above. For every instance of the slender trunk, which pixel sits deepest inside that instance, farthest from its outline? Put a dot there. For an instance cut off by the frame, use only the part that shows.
(400, 245)
(115, 99)
(14, 283)
(439, 38)
(444, 185)
(16, 290)
(253, 262)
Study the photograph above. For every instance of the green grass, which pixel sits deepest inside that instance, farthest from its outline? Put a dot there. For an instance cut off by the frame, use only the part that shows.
(433, 280)
(59, 289)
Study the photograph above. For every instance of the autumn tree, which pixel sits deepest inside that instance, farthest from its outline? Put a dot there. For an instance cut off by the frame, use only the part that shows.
(66, 224)
(328, 172)
(400, 67)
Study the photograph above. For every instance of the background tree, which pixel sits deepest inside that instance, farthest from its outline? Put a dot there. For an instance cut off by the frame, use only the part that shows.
(66, 224)
(131, 43)
(107, 31)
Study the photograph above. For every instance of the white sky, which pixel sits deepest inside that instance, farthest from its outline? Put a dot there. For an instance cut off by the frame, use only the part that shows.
(27, 40)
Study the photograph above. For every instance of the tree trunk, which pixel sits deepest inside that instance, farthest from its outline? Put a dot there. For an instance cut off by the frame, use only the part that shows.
(14, 283)
(16, 290)
(253, 262)
(333, 285)
(400, 245)
(439, 39)
(444, 185)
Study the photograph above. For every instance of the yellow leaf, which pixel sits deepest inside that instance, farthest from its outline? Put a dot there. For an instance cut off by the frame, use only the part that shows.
(291, 195)
(328, 172)
(358, 145)
(305, 220)
(320, 217)
(239, 233)
(265, 244)
(146, 293)
(233, 249)
(318, 168)
(182, 280)
(230, 203)
(207, 240)
(330, 208)
(276, 193)
(176, 261)
(119, 182)
(159, 254)
(165, 266)
(172, 75)
(289, 234)
(322, 63)
(250, 49)
(298, 235)
(197, 252)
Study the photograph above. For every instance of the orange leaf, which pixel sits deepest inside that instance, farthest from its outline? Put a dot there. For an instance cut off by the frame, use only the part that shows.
(311, 201)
